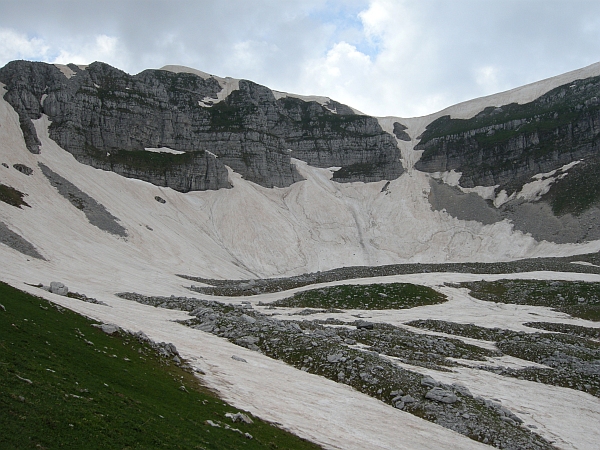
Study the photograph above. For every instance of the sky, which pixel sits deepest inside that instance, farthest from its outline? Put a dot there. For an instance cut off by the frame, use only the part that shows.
(384, 57)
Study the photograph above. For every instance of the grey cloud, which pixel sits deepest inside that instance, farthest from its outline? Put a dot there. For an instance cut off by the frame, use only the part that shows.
(522, 40)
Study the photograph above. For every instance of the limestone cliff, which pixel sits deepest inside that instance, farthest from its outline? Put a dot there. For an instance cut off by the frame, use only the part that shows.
(107, 118)
(515, 146)
(507, 145)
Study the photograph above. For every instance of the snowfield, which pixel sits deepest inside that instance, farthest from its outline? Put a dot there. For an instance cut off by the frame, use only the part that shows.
(314, 225)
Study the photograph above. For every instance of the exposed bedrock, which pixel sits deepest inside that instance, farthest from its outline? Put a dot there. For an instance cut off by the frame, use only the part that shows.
(400, 133)
(507, 145)
(101, 113)
(17, 242)
(95, 212)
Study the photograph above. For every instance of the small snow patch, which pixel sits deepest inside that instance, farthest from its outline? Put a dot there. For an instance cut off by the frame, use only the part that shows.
(26, 380)
(164, 150)
(581, 263)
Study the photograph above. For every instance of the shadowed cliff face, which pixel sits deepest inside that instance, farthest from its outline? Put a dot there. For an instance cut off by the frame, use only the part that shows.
(506, 146)
(106, 118)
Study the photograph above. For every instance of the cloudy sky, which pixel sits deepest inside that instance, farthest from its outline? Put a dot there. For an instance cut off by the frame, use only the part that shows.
(384, 57)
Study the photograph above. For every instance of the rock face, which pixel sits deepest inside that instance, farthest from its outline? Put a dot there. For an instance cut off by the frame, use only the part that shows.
(23, 169)
(95, 212)
(400, 133)
(542, 219)
(17, 242)
(507, 145)
(107, 118)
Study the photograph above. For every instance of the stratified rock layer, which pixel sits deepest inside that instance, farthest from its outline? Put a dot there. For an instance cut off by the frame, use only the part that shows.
(507, 145)
(107, 118)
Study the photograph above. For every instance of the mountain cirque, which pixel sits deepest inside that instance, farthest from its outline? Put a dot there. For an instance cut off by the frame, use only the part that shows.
(143, 184)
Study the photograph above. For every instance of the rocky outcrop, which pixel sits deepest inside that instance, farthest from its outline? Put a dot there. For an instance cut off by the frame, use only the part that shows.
(17, 242)
(12, 196)
(567, 211)
(107, 118)
(26, 83)
(23, 169)
(441, 395)
(400, 133)
(95, 212)
(191, 171)
(507, 145)
(58, 288)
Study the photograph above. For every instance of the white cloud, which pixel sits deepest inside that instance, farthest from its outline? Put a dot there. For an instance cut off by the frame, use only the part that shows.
(487, 78)
(14, 45)
(432, 54)
(385, 57)
(382, 83)
(341, 60)
(340, 74)
(249, 57)
(101, 48)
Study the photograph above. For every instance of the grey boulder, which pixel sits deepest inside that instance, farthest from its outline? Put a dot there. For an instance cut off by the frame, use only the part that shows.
(429, 382)
(441, 395)
(58, 288)
(363, 324)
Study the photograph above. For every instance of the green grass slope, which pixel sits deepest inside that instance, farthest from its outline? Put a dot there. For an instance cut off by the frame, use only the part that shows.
(66, 384)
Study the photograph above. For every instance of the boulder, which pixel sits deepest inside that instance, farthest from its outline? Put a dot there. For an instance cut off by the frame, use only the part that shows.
(239, 417)
(363, 324)
(408, 399)
(462, 389)
(58, 288)
(249, 319)
(335, 357)
(429, 382)
(441, 395)
(248, 340)
(109, 328)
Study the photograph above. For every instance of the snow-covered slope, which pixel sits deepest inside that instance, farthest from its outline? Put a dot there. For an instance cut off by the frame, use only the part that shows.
(245, 231)
(228, 84)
